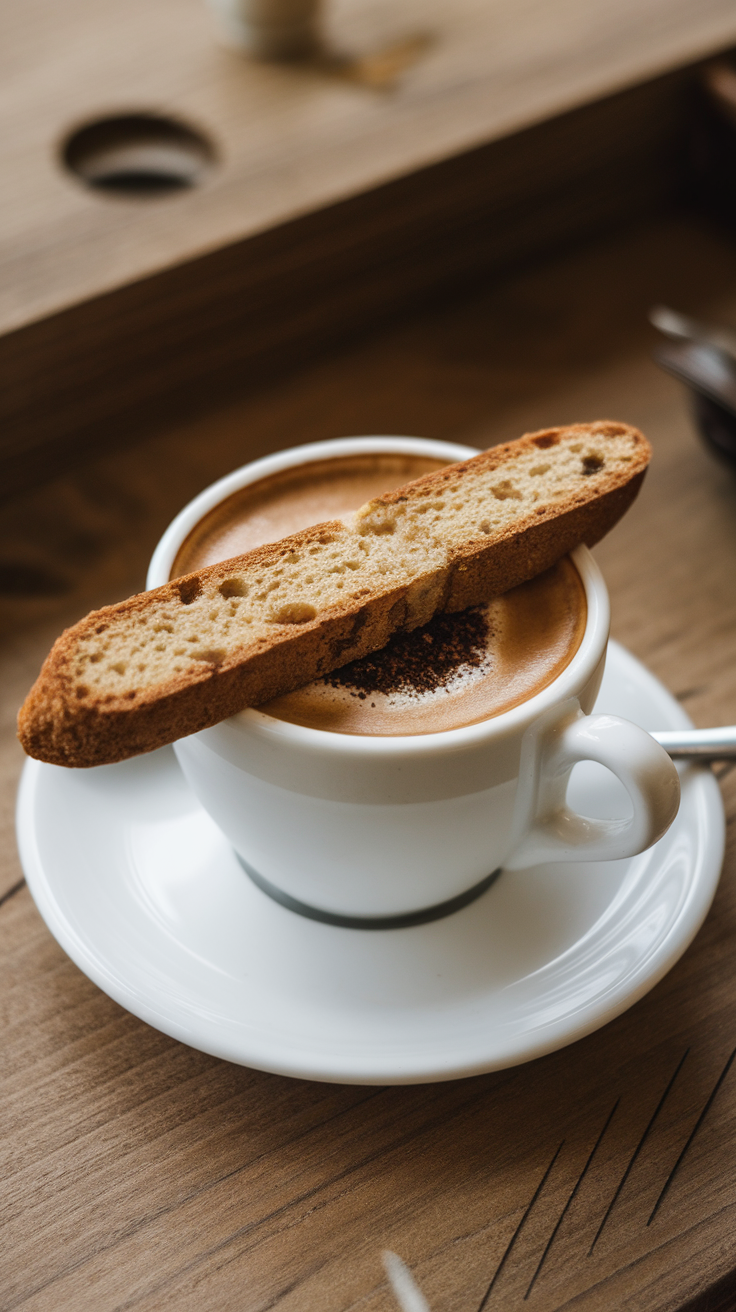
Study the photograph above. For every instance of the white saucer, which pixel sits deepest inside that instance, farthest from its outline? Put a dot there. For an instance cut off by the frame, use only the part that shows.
(143, 892)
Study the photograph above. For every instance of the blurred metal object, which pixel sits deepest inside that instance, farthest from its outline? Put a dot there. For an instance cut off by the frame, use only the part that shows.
(269, 29)
(406, 1291)
(700, 744)
(704, 359)
(682, 327)
(706, 369)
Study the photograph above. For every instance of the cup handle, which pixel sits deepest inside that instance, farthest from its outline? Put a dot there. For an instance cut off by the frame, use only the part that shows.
(546, 829)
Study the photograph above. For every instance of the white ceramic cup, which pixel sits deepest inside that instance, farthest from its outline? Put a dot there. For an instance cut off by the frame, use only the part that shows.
(397, 830)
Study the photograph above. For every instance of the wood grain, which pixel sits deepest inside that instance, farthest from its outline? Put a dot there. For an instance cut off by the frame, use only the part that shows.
(334, 204)
(116, 366)
(291, 139)
(138, 1173)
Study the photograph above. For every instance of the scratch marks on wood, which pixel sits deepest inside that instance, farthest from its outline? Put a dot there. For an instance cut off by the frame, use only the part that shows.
(506, 1256)
(12, 892)
(568, 1204)
(711, 1099)
(518, 1230)
(638, 1149)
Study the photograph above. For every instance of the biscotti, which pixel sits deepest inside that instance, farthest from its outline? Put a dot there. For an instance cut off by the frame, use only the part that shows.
(135, 676)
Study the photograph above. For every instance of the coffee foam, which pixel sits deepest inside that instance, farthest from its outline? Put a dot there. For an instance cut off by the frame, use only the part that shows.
(533, 632)
(530, 633)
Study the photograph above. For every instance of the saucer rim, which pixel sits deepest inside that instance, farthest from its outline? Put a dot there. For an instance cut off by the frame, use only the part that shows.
(703, 879)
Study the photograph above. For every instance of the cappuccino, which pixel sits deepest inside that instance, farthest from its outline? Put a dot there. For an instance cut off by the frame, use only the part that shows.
(457, 670)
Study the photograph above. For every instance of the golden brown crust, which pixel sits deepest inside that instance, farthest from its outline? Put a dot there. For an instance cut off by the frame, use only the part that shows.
(58, 725)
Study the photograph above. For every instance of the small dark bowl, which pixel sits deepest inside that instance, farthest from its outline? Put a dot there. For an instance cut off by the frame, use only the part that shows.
(709, 373)
(716, 425)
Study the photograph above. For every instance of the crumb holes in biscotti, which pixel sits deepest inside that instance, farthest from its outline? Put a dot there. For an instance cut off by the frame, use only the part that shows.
(485, 526)
(593, 463)
(546, 440)
(189, 589)
(119, 667)
(506, 491)
(233, 588)
(537, 470)
(82, 692)
(293, 612)
(213, 656)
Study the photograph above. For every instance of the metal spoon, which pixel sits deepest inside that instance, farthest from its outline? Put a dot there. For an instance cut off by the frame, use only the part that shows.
(683, 328)
(700, 744)
(406, 1291)
(706, 369)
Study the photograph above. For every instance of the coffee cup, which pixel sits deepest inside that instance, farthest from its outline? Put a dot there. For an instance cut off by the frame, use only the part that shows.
(376, 831)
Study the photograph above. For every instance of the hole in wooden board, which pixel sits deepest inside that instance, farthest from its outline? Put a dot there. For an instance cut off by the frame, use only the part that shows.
(138, 155)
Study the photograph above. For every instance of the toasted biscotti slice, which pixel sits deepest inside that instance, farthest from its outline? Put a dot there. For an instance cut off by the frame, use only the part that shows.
(163, 664)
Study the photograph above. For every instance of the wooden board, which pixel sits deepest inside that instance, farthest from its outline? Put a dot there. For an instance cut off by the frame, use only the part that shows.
(113, 367)
(292, 139)
(138, 1173)
(334, 204)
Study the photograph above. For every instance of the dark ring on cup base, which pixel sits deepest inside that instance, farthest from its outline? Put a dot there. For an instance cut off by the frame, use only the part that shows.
(404, 921)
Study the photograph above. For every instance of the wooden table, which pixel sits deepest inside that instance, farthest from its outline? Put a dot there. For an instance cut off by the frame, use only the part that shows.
(138, 1173)
(337, 197)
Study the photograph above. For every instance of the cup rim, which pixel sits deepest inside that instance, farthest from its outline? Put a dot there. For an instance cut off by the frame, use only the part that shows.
(252, 721)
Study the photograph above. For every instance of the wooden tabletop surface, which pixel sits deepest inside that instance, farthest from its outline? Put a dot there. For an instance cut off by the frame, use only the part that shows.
(139, 1173)
(289, 139)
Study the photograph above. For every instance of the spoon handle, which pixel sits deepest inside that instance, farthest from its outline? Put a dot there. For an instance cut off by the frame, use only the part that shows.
(704, 744)
(683, 328)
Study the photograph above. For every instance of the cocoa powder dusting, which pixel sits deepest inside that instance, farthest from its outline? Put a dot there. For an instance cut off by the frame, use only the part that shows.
(422, 661)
